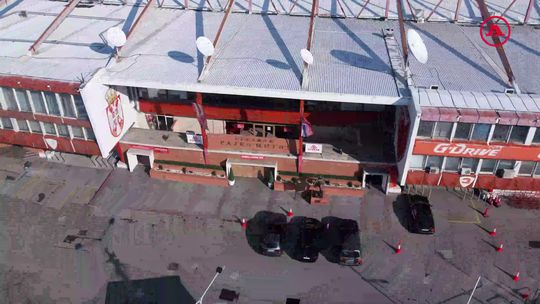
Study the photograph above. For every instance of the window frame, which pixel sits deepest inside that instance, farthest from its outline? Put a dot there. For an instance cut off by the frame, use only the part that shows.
(432, 129)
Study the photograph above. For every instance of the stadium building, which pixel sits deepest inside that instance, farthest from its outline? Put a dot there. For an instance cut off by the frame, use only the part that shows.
(365, 111)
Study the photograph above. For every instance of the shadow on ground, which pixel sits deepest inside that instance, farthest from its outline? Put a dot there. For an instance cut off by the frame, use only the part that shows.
(402, 211)
(163, 290)
(259, 225)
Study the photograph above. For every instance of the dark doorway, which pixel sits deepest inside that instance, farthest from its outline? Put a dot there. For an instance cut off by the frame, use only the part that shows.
(375, 181)
(144, 161)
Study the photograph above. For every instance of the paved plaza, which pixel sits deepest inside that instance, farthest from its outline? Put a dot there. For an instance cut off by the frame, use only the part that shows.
(136, 227)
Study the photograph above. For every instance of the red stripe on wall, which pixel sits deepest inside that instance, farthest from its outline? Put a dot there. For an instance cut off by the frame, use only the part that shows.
(39, 84)
(36, 141)
(45, 118)
(328, 118)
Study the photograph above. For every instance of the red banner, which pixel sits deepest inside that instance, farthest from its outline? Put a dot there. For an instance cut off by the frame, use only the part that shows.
(531, 153)
(156, 149)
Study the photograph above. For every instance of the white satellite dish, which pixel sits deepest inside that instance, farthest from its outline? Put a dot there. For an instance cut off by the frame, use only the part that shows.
(52, 143)
(306, 56)
(417, 46)
(205, 46)
(115, 37)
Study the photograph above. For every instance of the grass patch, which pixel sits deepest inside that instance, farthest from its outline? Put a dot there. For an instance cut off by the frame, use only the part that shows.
(327, 176)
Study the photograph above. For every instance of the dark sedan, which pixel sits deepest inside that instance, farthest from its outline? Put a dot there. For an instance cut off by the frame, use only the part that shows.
(421, 215)
(309, 241)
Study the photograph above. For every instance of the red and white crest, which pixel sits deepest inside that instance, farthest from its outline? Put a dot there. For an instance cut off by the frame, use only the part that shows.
(466, 181)
(115, 114)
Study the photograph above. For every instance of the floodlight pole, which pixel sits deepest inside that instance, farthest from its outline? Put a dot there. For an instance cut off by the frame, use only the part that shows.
(433, 10)
(403, 34)
(458, 6)
(218, 272)
(528, 13)
(134, 26)
(474, 289)
(54, 25)
(500, 49)
(314, 12)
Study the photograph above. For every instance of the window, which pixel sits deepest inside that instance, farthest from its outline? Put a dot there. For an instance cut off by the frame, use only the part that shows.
(443, 130)
(38, 102)
(52, 104)
(426, 128)
(506, 164)
(35, 127)
(62, 130)
(49, 128)
(481, 132)
(463, 130)
(89, 134)
(519, 134)
(536, 139)
(6, 123)
(23, 126)
(9, 97)
(67, 105)
(434, 161)
(527, 168)
(164, 122)
(537, 170)
(501, 133)
(24, 103)
(79, 104)
(417, 162)
(471, 163)
(77, 132)
(452, 164)
(488, 165)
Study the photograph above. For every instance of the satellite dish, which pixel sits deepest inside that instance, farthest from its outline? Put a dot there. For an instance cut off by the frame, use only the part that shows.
(205, 46)
(52, 143)
(306, 56)
(417, 46)
(115, 37)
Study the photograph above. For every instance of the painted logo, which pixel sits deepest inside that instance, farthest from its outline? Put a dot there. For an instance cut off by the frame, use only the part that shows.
(115, 114)
(463, 150)
(489, 29)
(466, 181)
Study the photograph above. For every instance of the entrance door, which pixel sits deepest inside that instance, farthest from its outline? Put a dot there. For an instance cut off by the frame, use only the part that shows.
(377, 181)
(144, 161)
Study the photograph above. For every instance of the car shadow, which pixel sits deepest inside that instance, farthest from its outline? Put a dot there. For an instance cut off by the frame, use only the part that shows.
(331, 239)
(292, 236)
(402, 211)
(257, 227)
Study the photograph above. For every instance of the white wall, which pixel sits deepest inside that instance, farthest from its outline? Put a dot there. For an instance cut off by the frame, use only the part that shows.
(414, 116)
(95, 101)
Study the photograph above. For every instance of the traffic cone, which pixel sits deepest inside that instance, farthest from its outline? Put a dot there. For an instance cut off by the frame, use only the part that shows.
(500, 248)
(290, 213)
(398, 248)
(493, 232)
(525, 296)
(485, 214)
(243, 222)
(516, 277)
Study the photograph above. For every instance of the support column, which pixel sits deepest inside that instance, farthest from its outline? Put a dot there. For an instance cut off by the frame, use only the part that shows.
(301, 140)
(120, 153)
(199, 101)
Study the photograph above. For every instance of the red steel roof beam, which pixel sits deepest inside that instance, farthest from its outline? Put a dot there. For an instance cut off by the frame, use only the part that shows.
(528, 13)
(362, 9)
(500, 49)
(134, 26)
(314, 12)
(434, 9)
(54, 25)
(402, 32)
(509, 6)
(458, 6)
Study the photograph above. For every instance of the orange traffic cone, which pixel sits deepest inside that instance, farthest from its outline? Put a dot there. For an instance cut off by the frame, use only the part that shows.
(493, 232)
(500, 248)
(516, 277)
(243, 222)
(398, 248)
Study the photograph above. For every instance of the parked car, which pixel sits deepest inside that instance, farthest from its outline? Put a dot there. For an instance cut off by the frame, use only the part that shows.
(271, 240)
(308, 243)
(421, 215)
(349, 250)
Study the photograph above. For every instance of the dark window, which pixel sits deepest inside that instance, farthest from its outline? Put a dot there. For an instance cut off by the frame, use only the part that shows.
(434, 161)
(452, 163)
(537, 170)
(62, 130)
(463, 130)
(481, 132)
(506, 164)
(77, 132)
(79, 104)
(471, 163)
(527, 168)
(9, 97)
(488, 165)
(52, 104)
(500, 134)
(22, 125)
(67, 105)
(39, 103)
(35, 127)
(24, 103)
(417, 162)
(519, 134)
(49, 128)
(6, 123)
(426, 128)
(443, 130)
(89, 134)
(536, 139)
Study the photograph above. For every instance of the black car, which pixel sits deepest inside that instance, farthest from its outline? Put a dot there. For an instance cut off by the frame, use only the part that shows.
(421, 215)
(342, 240)
(309, 241)
(271, 240)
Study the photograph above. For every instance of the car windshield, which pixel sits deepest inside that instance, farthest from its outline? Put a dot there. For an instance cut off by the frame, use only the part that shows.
(350, 254)
(425, 218)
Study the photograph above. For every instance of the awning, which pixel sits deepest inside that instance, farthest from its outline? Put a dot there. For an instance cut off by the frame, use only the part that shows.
(448, 114)
(487, 116)
(528, 119)
(508, 118)
(468, 115)
(430, 114)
